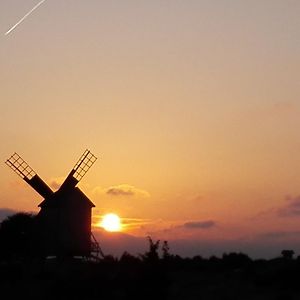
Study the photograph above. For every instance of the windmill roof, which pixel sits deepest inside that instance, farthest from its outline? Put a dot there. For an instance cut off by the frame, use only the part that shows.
(74, 195)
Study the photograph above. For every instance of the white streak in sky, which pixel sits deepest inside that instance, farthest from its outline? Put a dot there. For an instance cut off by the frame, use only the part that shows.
(28, 14)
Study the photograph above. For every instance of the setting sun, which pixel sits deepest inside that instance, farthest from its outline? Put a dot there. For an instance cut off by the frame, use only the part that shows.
(111, 222)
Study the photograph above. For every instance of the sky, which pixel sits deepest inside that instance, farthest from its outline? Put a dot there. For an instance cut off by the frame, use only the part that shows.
(192, 108)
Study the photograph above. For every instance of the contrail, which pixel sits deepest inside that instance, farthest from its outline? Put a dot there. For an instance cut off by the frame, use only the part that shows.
(28, 14)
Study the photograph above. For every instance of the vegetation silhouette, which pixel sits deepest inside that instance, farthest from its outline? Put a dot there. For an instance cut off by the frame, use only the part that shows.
(155, 274)
(17, 238)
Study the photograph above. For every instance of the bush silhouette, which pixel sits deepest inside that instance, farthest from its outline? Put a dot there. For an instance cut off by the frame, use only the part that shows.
(17, 238)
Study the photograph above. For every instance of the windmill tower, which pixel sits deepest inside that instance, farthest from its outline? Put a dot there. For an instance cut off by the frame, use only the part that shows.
(64, 219)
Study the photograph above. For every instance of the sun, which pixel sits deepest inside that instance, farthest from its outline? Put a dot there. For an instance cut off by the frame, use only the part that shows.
(111, 223)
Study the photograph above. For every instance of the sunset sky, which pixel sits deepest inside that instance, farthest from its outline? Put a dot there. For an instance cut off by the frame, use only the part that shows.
(192, 108)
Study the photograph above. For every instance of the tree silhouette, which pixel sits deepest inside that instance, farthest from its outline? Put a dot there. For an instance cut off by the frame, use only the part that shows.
(166, 250)
(152, 254)
(17, 238)
(287, 254)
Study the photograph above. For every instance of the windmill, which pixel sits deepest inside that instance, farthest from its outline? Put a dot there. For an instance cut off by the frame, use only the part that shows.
(64, 219)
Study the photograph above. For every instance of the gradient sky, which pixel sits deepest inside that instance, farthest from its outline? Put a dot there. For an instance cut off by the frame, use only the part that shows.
(191, 106)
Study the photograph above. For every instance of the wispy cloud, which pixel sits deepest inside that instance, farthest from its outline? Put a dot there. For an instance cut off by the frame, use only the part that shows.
(121, 190)
(291, 209)
(280, 235)
(179, 229)
(135, 222)
(55, 183)
(125, 190)
(200, 224)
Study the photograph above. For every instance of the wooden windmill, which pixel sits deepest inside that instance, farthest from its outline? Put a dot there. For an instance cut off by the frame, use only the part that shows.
(64, 219)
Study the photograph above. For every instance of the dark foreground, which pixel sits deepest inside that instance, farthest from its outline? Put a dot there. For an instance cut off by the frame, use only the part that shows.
(234, 276)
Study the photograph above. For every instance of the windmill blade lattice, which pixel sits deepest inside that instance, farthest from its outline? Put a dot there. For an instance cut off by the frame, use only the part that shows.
(20, 166)
(84, 164)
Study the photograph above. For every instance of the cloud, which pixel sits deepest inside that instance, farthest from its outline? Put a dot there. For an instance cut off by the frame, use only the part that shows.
(5, 212)
(291, 209)
(200, 224)
(55, 183)
(126, 190)
(180, 230)
(280, 234)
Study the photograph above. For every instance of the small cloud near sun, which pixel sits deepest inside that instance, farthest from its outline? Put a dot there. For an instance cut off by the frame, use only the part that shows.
(56, 182)
(125, 190)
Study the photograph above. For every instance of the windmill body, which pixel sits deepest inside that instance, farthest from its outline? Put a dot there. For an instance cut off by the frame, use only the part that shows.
(64, 220)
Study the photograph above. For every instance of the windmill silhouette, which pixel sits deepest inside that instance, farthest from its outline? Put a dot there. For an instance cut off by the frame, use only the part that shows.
(64, 219)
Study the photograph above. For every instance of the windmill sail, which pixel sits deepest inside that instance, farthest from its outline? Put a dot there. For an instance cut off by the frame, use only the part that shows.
(18, 165)
(80, 169)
